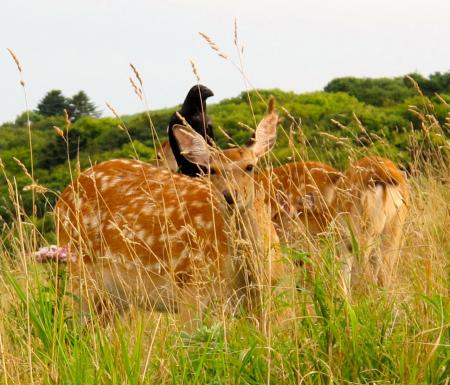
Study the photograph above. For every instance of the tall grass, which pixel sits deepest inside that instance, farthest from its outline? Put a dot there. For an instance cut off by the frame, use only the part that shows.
(400, 336)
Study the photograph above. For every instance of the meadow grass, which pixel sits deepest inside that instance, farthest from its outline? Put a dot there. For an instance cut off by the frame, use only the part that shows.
(395, 337)
(400, 336)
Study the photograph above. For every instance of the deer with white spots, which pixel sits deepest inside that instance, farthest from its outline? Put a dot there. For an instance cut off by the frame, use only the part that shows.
(367, 203)
(150, 237)
(300, 195)
(371, 206)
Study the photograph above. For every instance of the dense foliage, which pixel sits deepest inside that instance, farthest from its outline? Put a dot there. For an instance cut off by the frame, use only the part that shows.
(327, 126)
(386, 91)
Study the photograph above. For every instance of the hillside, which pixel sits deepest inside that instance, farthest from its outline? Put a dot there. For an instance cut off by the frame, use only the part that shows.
(305, 330)
(327, 126)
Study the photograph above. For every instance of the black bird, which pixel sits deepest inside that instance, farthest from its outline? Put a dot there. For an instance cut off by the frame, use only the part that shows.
(194, 111)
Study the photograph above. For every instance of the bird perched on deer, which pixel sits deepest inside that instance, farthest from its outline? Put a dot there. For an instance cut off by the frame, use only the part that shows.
(144, 235)
(193, 111)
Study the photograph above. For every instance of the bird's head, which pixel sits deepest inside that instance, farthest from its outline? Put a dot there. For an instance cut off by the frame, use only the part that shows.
(199, 92)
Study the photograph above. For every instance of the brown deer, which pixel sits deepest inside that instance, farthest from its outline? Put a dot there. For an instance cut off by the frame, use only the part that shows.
(300, 196)
(368, 203)
(371, 206)
(145, 235)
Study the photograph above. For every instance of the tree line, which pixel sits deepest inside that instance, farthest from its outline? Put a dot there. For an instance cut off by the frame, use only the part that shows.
(54, 103)
(350, 116)
(385, 91)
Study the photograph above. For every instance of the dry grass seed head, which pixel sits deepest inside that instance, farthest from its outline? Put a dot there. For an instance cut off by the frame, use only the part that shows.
(194, 70)
(112, 109)
(58, 131)
(213, 45)
(15, 58)
(136, 73)
(136, 88)
(23, 167)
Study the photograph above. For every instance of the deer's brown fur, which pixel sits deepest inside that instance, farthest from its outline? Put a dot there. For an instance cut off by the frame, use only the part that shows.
(367, 205)
(300, 195)
(371, 205)
(148, 236)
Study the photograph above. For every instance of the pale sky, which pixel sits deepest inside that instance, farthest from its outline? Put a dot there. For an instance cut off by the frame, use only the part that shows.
(293, 45)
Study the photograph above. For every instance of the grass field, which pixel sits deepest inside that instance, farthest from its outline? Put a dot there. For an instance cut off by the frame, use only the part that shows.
(400, 336)
(379, 337)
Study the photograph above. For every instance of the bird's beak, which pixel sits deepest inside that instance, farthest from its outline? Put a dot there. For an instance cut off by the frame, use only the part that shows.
(206, 93)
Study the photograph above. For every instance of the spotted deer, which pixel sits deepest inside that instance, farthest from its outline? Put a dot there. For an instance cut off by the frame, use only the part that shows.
(367, 204)
(371, 206)
(300, 195)
(145, 235)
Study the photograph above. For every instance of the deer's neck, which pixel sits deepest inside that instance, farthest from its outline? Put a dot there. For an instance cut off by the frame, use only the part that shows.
(245, 243)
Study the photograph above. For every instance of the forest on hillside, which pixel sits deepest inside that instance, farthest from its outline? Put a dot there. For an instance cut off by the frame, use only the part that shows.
(376, 116)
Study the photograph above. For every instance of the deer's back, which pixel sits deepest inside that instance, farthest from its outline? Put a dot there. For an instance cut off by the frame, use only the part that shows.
(304, 188)
(140, 215)
(376, 176)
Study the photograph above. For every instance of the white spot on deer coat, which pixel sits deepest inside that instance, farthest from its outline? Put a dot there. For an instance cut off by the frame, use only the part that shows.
(198, 220)
(168, 211)
(154, 267)
(142, 234)
(197, 204)
(90, 221)
(209, 225)
(98, 174)
(163, 238)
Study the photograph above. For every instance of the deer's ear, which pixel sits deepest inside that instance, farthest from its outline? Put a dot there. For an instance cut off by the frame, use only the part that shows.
(266, 132)
(192, 145)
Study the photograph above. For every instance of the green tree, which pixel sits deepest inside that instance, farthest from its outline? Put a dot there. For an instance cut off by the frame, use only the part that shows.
(436, 83)
(377, 92)
(52, 104)
(80, 105)
(22, 119)
(440, 82)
